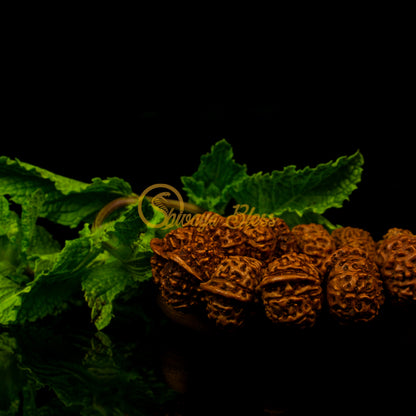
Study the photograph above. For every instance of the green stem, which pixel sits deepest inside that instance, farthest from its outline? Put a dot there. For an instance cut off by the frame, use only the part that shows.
(124, 201)
(111, 207)
(188, 206)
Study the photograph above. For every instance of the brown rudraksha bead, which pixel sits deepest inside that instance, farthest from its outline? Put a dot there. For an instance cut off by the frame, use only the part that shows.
(392, 232)
(192, 249)
(254, 236)
(260, 242)
(354, 290)
(230, 289)
(291, 291)
(315, 241)
(183, 258)
(285, 240)
(229, 237)
(173, 241)
(177, 287)
(340, 254)
(396, 257)
(199, 257)
(354, 237)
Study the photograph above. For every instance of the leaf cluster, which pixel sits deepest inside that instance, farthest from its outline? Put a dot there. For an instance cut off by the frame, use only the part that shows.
(103, 264)
(295, 195)
(38, 277)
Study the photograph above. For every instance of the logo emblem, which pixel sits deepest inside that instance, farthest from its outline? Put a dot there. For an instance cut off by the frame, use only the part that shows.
(160, 202)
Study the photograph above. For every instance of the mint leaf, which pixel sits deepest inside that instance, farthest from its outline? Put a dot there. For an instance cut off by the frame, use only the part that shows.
(297, 196)
(296, 192)
(24, 235)
(209, 187)
(10, 300)
(28, 291)
(10, 242)
(67, 201)
(124, 265)
(9, 221)
(51, 289)
(37, 278)
(30, 212)
(101, 286)
(42, 243)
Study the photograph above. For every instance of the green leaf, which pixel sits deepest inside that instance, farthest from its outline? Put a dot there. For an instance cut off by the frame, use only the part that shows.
(10, 300)
(126, 263)
(9, 221)
(101, 286)
(10, 237)
(128, 226)
(309, 190)
(51, 288)
(67, 201)
(30, 212)
(210, 186)
(43, 243)
(24, 234)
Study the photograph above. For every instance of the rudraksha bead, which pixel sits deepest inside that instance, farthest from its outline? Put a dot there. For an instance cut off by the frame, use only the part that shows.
(291, 291)
(230, 289)
(354, 237)
(354, 290)
(396, 257)
(315, 241)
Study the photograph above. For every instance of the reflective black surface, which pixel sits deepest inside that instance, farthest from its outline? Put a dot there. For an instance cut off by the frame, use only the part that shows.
(149, 365)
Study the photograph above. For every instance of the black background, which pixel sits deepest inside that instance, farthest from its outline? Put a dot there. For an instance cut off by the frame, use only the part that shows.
(82, 137)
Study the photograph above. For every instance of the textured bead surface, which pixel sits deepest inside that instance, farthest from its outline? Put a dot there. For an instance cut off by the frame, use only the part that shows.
(355, 237)
(315, 241)
(291, 291)
(354, 290)
(177, 287)
(396, 257)
(232, 285)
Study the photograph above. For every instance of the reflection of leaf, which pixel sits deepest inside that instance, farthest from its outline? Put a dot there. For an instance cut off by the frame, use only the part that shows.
(10, 382)
(47, 371)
